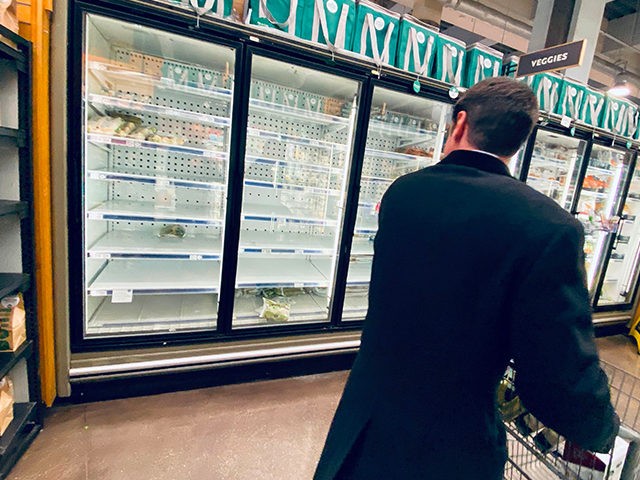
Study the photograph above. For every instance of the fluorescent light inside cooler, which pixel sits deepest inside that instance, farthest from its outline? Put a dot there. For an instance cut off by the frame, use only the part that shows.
(614, 189)
(594, 261)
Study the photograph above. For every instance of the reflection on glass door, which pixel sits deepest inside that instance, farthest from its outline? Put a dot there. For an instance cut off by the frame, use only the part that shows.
(599, 201)
(622, 270)
(298, 146)
(406, 133)
(157, 121)
(555, 166)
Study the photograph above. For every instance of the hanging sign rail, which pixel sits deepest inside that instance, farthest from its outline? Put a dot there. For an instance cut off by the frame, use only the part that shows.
(552, 58)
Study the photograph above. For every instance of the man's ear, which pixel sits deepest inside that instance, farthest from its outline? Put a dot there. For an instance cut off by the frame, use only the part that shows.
(460, 126)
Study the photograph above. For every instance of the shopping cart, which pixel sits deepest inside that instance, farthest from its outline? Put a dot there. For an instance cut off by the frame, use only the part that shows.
(538, 453)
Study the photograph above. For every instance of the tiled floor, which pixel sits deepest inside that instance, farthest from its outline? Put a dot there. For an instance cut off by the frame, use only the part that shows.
(258, 431)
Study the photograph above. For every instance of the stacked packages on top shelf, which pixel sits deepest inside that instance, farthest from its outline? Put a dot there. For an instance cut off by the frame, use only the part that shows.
(366, 29)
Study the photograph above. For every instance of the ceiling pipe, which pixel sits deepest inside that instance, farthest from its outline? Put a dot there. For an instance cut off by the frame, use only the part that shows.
(491, 15)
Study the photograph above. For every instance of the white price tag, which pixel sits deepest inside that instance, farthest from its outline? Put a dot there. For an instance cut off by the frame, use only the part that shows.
(122, 296)
(95, 216)
(99, 255)
(195, 257)
(97, 293)
(298, 285)
(566, 121)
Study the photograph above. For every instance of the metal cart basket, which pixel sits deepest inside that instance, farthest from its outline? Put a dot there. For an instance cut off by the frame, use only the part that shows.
(538, 453)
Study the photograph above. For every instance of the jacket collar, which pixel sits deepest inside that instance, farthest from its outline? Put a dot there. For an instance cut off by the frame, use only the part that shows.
(477, 159)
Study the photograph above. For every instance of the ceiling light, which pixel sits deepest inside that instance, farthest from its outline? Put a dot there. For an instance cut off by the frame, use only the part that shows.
(621, 86)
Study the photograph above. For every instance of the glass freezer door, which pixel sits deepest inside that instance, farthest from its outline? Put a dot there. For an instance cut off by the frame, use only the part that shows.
(555, 166)
(298, 147)
(406, 133)
(621, 273)
(599, 202)
(157, 120)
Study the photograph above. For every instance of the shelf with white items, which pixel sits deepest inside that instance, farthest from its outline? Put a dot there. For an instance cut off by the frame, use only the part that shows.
(362, 247)
(107, 175)
(135, 106)
(294, 187)
(113, 140)
(546, 181)
(600, 171)
(148, 212)
(108, 75)
(145, 277)
(371, 152)
(359, 271)
(395, 130)
(294, 139)
(280, 213)
(286, 243)
(158, 312)
(594, 194)
(279, 272)
(256, 159)
(129, 244)
(307, 115)
(541, 160)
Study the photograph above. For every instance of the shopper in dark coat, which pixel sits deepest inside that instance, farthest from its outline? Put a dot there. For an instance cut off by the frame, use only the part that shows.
(472, 268)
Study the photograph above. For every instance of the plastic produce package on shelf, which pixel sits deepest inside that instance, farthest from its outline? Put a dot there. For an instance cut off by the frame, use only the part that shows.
(592, 112)
(417, 43)
(301, 122)
(376, 33)
(572, 98)
(156, 160)
(620, 116)
(13, 327)
(481, 62)
(285, 15)
(331, 22)
(450, 60)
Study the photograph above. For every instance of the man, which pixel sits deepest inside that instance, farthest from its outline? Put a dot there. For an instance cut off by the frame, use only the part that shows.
(472, 268)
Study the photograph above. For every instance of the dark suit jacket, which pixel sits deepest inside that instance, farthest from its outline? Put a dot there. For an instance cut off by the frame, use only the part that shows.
(472, 268)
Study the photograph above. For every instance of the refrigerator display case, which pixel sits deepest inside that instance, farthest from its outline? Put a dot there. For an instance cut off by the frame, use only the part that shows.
(599, 202)
(156, 124)
(405, 134)
(555, 166)
(298, 149)
(621, 275)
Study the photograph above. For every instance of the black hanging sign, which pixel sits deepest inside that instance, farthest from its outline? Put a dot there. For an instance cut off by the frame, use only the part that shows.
(552, 58)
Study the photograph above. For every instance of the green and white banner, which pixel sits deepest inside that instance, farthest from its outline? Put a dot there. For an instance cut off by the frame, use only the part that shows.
(416, 46)
(592, 112)
(482, 62)
(546, 87)
(376, 33)
(449, 60)
(620, 116)
(331, 22)
(571, 98)
(284, 15)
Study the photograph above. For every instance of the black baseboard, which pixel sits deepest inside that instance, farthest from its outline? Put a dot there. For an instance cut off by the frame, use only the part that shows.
(610, 330)
(155, 382)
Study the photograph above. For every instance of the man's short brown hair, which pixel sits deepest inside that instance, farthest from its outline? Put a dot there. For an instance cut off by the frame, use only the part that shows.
(501, 113)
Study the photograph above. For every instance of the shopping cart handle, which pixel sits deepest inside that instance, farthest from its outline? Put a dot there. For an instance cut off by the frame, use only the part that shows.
(629, 435)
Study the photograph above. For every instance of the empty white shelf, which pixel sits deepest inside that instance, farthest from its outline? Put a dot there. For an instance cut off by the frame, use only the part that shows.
(147, 211)
(279, 272)
(156, 276)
